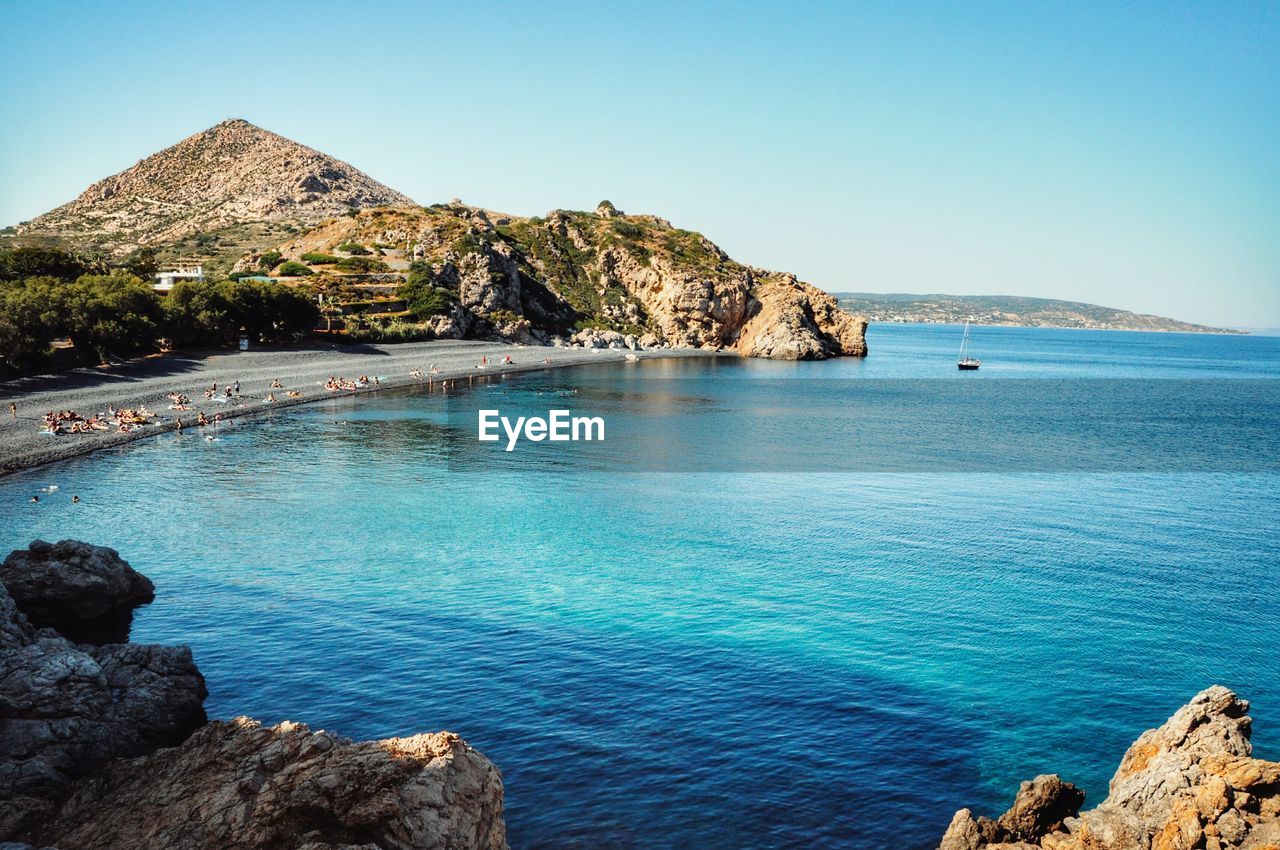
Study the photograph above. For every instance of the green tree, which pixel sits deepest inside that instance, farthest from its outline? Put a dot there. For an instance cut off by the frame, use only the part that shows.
(142, 262)
(22, 263)
(109, 314)
(213, 313)
(29, 321)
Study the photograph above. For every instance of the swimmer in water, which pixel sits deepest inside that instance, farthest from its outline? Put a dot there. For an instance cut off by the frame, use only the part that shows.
(35, 498)
(75, 500)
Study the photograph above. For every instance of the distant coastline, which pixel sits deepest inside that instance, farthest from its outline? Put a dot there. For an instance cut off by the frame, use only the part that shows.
(1010, 311)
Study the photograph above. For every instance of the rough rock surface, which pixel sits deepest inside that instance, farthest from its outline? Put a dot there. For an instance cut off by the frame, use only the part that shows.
(1190, 784)
(67, 708)
(233, 172)
(107, 746)
(69, 583)
(572, 274)
(793, 321)
(237, 785)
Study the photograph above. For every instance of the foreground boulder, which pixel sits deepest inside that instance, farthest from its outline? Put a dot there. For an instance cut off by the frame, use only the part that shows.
(1190, 784)
(67, 708)
(107, 746)
(237, 785)
(75, 587)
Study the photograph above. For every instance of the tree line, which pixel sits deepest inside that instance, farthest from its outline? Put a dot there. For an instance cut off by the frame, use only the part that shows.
(106, 311)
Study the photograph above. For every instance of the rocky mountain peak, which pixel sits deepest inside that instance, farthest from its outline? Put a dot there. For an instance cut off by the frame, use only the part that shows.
(230, 173)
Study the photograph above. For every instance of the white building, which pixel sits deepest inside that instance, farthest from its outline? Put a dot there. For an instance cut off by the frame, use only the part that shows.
(182, 269)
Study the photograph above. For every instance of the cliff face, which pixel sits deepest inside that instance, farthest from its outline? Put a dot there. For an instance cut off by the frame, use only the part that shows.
(106, 745)
(1190, 784)
(597, 274)
(233, 172)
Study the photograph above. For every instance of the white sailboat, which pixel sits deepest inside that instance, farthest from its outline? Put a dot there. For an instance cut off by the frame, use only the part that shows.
(967, 361)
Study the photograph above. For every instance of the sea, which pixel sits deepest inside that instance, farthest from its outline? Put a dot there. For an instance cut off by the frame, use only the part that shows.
(779, 605)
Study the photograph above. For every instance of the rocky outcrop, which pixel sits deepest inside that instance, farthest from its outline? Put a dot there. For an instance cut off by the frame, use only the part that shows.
(107, 746)
(1191, 784)
(574, 273)
(793, 321)
(238, 785)
(72, 586)
(231, 173)
(68, 708)
(1040, 807)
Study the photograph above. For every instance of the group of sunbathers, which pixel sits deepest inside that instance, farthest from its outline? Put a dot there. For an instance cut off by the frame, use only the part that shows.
(121, 420)
(335, 384)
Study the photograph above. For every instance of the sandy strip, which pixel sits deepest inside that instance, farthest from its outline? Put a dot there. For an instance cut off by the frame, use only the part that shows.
(147, 382)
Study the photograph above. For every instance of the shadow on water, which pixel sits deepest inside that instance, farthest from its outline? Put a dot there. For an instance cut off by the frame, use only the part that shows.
(733, 753)
(613, 739)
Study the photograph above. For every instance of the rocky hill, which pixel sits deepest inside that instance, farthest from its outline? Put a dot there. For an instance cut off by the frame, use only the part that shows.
(1191, 784)
(1009, 310)
(231, 173)
(229, 195)
(595, 277)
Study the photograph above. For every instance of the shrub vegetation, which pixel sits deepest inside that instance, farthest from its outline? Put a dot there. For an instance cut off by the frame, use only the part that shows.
(292, 269)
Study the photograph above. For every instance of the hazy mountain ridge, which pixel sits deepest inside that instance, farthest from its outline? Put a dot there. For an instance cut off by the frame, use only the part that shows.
(1013, 310)
(231, 173)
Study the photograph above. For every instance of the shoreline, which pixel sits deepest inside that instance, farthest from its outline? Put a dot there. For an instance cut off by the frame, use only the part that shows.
(146, 381)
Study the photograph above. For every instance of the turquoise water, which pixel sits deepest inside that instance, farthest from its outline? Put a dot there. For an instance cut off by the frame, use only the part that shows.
(777, 657)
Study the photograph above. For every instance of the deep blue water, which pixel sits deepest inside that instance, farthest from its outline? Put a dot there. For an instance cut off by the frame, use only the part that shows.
(662, 650)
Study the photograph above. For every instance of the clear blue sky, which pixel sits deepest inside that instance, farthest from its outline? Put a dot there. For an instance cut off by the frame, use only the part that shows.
(1124, 154)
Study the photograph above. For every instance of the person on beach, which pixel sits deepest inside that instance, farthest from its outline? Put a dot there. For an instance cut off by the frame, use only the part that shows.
(275, 384)
(271, 397)
(236, 386)
(179, 427)
(13, 411)
(202, 419)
